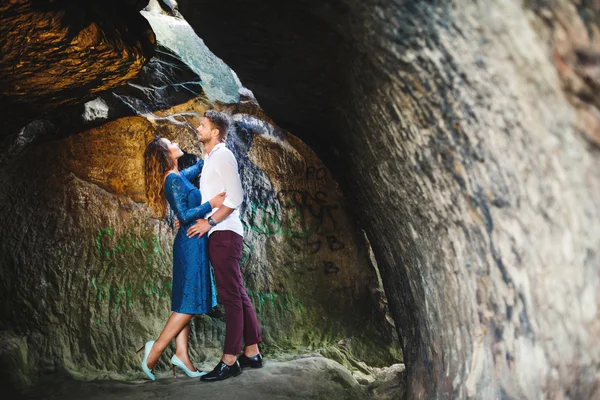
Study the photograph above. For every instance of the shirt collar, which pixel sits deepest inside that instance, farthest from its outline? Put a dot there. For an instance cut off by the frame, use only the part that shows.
(217, 147)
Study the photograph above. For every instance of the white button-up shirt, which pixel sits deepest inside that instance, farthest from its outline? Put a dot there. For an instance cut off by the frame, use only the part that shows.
(220, 174)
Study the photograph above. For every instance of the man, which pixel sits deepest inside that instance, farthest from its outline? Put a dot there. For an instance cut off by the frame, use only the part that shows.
(225, 230)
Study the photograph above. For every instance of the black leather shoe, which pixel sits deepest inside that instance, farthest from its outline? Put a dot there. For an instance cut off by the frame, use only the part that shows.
(252, 362)
(222, 371)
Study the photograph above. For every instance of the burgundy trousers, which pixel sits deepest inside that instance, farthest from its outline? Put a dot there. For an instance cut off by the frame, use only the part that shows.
(225, 252)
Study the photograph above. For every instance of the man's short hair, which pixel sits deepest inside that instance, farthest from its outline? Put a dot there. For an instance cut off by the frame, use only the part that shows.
(220, 121)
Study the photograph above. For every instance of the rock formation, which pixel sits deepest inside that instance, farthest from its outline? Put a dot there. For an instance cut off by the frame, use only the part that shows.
(463, 133)
(77, 234)
(463, 136)
(57, 53)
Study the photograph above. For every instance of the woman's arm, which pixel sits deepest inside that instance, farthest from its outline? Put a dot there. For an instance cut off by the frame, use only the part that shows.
(192, 172)
(177, 197)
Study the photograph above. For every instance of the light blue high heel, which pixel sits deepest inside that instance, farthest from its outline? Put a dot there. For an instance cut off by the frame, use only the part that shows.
(147, 347)
(175, 361)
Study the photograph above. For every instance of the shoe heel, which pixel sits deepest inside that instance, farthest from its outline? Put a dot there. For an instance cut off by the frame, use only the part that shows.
(176, 362)
(147, 348)
(174, 370)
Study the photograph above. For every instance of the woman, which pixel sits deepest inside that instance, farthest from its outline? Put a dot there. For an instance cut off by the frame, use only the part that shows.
(193, 290)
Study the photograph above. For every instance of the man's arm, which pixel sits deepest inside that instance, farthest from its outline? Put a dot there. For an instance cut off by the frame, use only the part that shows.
(222, 213)
(202, 226)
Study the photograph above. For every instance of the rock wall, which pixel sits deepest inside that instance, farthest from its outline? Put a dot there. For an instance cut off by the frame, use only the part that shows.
(84, 259)
(302, 243)
(460, 133)
(463, 136)
(219, 82)
(61, 53)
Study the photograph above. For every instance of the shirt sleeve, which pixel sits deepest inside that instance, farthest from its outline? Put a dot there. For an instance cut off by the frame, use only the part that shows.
(177, 197)
(228, 170)
(192, 172)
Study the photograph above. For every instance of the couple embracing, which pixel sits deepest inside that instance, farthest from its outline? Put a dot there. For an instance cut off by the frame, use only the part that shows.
(208, 231)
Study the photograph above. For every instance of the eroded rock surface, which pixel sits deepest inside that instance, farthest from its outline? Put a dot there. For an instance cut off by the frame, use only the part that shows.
(63, 52)
(78, 234)
(464, 137)
(468, 157)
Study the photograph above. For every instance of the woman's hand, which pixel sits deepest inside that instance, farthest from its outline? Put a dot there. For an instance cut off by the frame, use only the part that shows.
(199, 228)
(176, 224)
(217, 201)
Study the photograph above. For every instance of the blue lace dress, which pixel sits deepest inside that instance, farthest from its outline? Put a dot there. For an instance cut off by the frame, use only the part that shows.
(194, 289)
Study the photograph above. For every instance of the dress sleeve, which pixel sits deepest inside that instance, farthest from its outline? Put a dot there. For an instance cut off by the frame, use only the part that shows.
(192, 172)
(176, 195)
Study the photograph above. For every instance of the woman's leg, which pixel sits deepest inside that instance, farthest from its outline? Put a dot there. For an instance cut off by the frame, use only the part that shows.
(182, 350)
(175, 324)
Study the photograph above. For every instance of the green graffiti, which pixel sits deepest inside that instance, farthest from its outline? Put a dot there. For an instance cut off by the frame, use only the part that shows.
(265, 219)
(100, 291)
(125, 244)
(102, 232)
(246, 254)
(132, 250)
(306, 220)
(275, 301)
(125, 294)
(303, 215)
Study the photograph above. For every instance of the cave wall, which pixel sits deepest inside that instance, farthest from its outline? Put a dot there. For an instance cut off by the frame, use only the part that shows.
(86, 267)
(59, 53)
(464, 137)
(457, 132)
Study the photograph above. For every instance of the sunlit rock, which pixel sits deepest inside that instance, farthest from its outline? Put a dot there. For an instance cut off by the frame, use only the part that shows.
(218, 81)
(95, 109)
(63, 53)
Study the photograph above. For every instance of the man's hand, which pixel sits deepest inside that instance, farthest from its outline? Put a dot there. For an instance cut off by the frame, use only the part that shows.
(176, 224)
(199, 228)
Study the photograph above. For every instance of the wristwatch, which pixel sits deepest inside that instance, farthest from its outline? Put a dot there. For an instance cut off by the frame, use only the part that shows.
(211, 221)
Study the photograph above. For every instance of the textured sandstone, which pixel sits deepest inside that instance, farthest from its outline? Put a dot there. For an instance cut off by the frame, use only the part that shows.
(465, 138)
(466, 149)
(61, 53)
(77, 234)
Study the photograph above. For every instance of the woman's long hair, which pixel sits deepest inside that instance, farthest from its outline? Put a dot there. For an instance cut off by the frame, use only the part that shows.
(157, 162)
